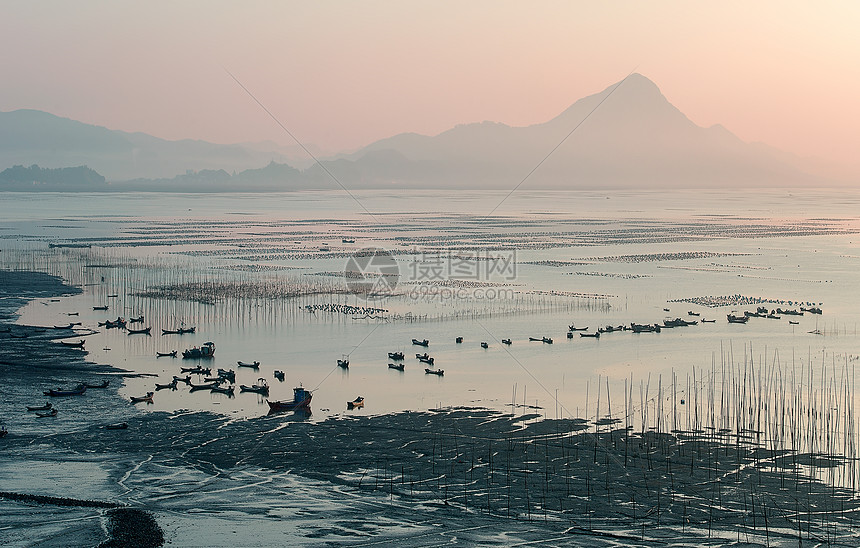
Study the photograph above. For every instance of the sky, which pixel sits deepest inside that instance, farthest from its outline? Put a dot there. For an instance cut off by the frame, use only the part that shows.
(340, 75)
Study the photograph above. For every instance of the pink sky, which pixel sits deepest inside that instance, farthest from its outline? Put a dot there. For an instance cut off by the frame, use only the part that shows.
(343, 74)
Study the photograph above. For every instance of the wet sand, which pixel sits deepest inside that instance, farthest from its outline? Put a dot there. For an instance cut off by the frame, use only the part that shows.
(461, 476)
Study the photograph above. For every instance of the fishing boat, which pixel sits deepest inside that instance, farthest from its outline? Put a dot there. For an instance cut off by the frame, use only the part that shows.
(737, 319)
(206, 351)
(180, 331)
(139, 319)
(279, 375)
(77, 391)
(117, 426)
(343, 363)
(507, 342)
(570, 334)
(103, 384)
(169, 386)
(691, 313)
(397, 366)
(228, 374)
(70, 344)
(71, 325)
(812, 310)
(644, 328)
(438, 372)
(347, 240)
(18, 336)
(665, 310)
(3, 431)
(140, 399)
(425, 342)
(166, 354)
(252, 365)
(186, 379)
(105, 307)
(792, 322)
(572, 328)
(425, 357)
(51, 413)
(788, 312)
(261, 387)
(357, 403)
(146, 331)
(458, 340)
(546, 340)
(708, 321)
(196, 370)
(592, 335)
(395, 355)
(45, 407)
(485, 345)
(301, 400)
(773, 317)
(226, 390)
(204, 386)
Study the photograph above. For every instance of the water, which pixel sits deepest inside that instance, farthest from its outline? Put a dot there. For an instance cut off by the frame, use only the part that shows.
(638, 253)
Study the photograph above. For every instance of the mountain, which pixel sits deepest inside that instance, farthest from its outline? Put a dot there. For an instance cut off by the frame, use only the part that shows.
(627, 135)
(66, 179)
(34, 137)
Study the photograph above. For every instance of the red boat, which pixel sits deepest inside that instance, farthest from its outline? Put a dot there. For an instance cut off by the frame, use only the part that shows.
(301, 400)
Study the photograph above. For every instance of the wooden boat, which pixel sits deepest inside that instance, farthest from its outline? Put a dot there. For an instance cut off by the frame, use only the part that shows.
(570, 334)
(166, 354)
(69, 344)
(3, 431)
(507, 342)
(103, 384)
(226, 390)
(180, 331)
(572, 328)
(592, 335)
(279, 375)
(397, 366)
(347, 241)
(644, 328)
(80, 390)
(205, 386)
(546, 340)
(228, 374)
(186, 379)
(737, 319)
(357, 403)
(261, 387)
(458, 340)
(140, 331)
(395, 355)
(45, 407)
(788, 312)
(117, 426)
(140, 399)
(71, 313)
(344, 363)
(18, 336)
(708, 321)
(812, 310)
(301, 400)
(139, 319)
(207, 351)
(252, 365)
(196, 370)
(485, 345)
(71, 325)
(425, 358)
(169, 386)
(792, 322)
(438, 372)
(665, 310)
(773, 317)
(51, 413)
(425, 342)
(216, 380)
(119, 323)
(691, 313)
(114, 296)
(105, 307)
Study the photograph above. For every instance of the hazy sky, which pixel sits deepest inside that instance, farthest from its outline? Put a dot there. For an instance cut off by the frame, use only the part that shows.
(343, 74)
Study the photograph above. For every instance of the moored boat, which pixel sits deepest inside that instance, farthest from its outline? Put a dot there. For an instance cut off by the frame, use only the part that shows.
(395, 355)
(252, 365)
(397, 366)
(205, 386)
(223, 390)
(507, 341)
(70, 344)
(166, 354)
(344, 363)
(572, 328)
(206, 351)
(301, 400)
(45, 407)
(77, 391)
(139, 319)
(737, 319)
(51, 413)
(438, 372)
(595, 335)
(357, 403)
(103, 384)
(485, 345)
(425, 342)
(117, 426)
(146, 331)
(105, 307)
(279, 375)
(140, 399)
(196, 370)
(169, 386)
(261, 387)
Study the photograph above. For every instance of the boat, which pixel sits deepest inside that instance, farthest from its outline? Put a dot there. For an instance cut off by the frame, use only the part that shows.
(119, 323)
(592, 335)
(3, 431)
(347, 240)
(206, 351)
(139, 319)
(546, 340)
(71, 325)
(425, 357)
(357, 403)
(252, 365)
(773, 317)
(169, 386)
(17, 336)
(186, 379)
(204, 386)
(228, 390)
(792, 322)
(438, 372)
(425, 342)
(665, 310)
(140, 331)
(228, 374)
(812, 310)
(507, 341)
(301, 400)
(196, 370)
(69, 344)
(691, 313)
(279, 375)
(103, 384)
(261, 387)
(708, 321)
(570, 334)
(166, 354)
(485, 345)
(45, 407)
(117, 426)
(51, 413)
(216, 380)
(749, 314)
(344, 363)
(77, 391)
(572, 328)
(397, 366)
(737, 319)
(458, 340)
(395, 355)
(180, 331)
(140, 399)
(678, 322)
(788, 312)
(644, 328)
(72, 314)
(105, 307)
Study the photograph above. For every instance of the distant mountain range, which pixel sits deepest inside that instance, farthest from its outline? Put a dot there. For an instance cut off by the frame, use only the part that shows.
(634, 138)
